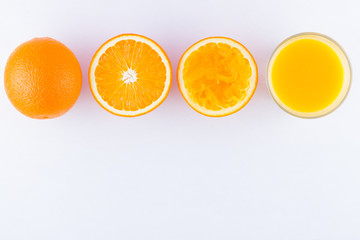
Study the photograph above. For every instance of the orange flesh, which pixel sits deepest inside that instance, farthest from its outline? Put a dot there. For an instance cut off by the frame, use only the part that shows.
(112, 72)
(307, 75)
(217, 76)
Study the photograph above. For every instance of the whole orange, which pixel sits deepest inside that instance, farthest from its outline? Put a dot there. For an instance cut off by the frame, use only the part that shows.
(42, 78)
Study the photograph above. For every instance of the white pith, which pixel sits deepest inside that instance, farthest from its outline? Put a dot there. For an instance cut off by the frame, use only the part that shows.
(129, 75)
(252, 80)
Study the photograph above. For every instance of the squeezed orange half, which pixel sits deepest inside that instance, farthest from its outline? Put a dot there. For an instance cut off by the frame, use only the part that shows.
(309, 75)
(217, 76)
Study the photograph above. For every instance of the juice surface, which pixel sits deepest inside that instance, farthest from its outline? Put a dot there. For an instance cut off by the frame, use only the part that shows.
(307, 75)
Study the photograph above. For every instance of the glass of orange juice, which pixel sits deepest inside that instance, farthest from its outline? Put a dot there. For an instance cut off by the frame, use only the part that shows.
(309, 75)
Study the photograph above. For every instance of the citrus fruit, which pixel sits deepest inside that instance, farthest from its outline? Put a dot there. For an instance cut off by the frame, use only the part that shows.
(42, 78)
(130, 75)
(217, 76)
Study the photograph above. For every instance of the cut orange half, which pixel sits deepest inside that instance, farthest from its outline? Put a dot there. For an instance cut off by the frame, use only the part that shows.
(130, 75)
(217, 76)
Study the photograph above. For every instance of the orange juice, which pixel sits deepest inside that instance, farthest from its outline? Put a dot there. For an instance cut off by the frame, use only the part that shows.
(309, 75)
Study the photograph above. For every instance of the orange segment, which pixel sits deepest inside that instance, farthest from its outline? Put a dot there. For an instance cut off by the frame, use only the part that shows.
(217, 76)
(130, 75)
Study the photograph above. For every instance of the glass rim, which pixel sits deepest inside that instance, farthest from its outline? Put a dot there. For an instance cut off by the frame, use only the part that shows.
(347, 76)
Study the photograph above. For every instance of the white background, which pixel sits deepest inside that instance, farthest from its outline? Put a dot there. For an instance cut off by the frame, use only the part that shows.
(174, 174)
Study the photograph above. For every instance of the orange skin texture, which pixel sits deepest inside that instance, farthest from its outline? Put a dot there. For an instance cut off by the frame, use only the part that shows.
(42, 78)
